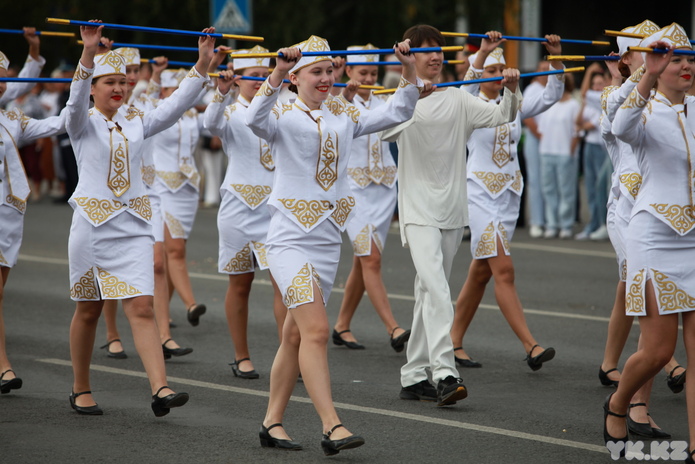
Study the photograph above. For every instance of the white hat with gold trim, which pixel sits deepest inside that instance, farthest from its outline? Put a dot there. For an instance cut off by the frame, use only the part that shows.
(172, 77)
(108, 63)
(495, 57)
(645, 28)
(673, 34)
(4, 62)
(362, 58)
(243, 63)
(312, 44)
(130, 55)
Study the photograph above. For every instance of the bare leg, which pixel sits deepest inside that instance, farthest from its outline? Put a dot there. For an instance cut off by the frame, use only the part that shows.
(354, 289)
(4, 360)
(639, 414)
(279, 308)
(618, 330)
(177, 267)
(236, 306)
(305, 335)
(110, 310)
(83, 330)
(689, 341)
(376, 290)
(161, 296)
(469, 299)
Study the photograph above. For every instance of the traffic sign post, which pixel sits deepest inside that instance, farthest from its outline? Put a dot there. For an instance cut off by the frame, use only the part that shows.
(231, 16)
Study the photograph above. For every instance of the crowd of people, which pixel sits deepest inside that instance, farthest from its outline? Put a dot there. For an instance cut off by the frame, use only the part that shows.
(291, 162)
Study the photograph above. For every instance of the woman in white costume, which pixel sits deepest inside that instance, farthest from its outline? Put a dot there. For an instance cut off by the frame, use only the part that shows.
(177, 182)
(243, 218)
(310, 205)
(15, 129)
(494, 197)
(372, 175)
(660, 279)
(111, 244)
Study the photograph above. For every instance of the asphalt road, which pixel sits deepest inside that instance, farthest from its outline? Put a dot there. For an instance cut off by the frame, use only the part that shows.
(511, 415)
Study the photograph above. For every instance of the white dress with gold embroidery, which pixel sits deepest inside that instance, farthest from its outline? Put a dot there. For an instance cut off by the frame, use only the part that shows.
(372, 175)
(31, 68)
(17, 129)
(110, 246)
(494, 176)
(243, 217)
(312, 201)
(660, 243)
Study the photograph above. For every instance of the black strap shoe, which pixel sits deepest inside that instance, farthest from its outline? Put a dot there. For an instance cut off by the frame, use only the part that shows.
(338, 340)
(333, 447)
(268, 441)
(94, 410)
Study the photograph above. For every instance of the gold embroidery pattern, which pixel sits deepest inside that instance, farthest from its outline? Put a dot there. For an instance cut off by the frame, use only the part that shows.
(634, 100)
(632, 182)
(495, 182)
(112, 59)
(359, 176)
(634, 298)
(486, 245)
(516, 185)
(85, 288)
(604, 96)
(300, 290)
(81, 74)
(637, 75)
(134, 113)
(342, 210)
(623, 271)
(505, 240)
(173, 180)
(119, 177)
(261, 254)
(253, 195)
(500, 155)
(286, 108)
(338, 105)
(307, 212)
(241, 262)
(218, 97)
(174, 225)
(148, 175)
(18, 115)
(19, 204)
(361, 242)
(680, 217)
(327, 166)
(276, 112)
(2, 258)
(141, 205)
(112, 287)
(98, 211)
(191, 73)
(671, 298)
(265, 90)
(472, 74)
(266, 156)
(389, 175)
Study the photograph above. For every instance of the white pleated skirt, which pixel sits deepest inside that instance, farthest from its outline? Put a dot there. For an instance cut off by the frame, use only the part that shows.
(491, 218)
(374, 208)
(11, 230)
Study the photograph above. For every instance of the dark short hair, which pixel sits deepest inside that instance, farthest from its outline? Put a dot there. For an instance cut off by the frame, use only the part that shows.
(422, 33)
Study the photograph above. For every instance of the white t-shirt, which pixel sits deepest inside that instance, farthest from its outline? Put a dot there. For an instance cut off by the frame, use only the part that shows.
(558, 127)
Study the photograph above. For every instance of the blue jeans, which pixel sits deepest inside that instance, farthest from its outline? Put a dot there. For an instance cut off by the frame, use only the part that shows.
(559, 180)
(532, 181)
(596, 175)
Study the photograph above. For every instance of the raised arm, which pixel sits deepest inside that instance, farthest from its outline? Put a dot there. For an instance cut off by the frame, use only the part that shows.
(32, 68)
(77, 108)
(213, 118)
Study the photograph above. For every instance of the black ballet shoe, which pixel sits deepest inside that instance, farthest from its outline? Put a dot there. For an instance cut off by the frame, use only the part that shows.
(194, 312)
(338, 340)
(162, 405)
(640, 429)
(174, 351)
(114, 354)
(268, 441)
(606, 437)
(676, 382)
(536, 362)
(12, 384)
(464, 362)
(689, 459)
(605, 380)
(85, 410)
(332, 447)
(252, 374)
(398, 343)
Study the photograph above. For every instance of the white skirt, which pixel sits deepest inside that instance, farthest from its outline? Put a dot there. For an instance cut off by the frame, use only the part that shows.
(298, 259)
(375, 205)
(491, 218)
(658, 253)
(617, 221)
(157, 220)
(243, 232)
(178, 209)
(112, 261)
(11, 230)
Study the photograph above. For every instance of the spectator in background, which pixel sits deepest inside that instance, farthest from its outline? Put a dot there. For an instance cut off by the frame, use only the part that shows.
(557, 147)
(67, 155)
(597, 166)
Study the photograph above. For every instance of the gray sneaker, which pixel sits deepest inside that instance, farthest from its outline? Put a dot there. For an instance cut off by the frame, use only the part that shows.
(422, 391)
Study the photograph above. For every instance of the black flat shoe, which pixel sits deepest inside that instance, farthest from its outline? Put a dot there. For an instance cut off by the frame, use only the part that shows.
(12, 384)
(606, 437)
(536, 362)
(398, 343)
(676, 382)
(463, 362)
(689, 459)
(332, 447)
(605, 380)
(174, 351)
(85, 410)
(268, 441)
(252, 374)
(338, 340)
(640, 429)
(111, 354)
(162, 405)
(194, 312)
